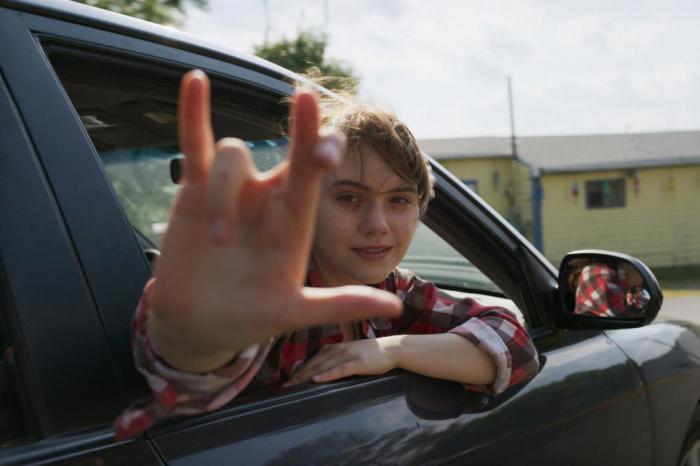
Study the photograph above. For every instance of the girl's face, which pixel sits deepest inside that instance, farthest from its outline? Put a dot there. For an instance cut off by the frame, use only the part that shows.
(366, 218)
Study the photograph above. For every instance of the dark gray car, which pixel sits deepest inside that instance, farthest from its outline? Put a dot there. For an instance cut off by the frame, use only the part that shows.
(87, 145)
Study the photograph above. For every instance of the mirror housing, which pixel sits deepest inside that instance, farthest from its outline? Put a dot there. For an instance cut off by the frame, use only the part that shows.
(606, 290)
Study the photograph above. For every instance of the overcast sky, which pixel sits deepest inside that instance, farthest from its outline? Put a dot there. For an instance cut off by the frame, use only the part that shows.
(577, 66)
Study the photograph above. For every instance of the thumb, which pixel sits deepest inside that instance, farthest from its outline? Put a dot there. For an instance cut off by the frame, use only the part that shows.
(321, 306)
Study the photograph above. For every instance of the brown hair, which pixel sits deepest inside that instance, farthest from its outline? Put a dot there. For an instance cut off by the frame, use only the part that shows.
(368, 126)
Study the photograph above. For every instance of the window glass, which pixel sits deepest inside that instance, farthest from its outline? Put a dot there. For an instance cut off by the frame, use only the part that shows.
(605, 193)
(432, 258)
(142, 180)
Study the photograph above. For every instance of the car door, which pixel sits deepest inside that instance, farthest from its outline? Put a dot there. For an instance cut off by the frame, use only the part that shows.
(564, 415)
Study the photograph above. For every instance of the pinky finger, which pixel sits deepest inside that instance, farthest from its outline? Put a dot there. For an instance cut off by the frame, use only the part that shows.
(338, 372)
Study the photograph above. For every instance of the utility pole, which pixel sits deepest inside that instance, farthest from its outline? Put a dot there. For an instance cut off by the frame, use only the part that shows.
(513, 145)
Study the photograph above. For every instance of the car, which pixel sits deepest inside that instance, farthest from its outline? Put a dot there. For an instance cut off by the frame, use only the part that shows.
(88, 156)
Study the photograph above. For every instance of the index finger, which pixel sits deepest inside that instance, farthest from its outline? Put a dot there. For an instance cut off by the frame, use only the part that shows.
(194, 125)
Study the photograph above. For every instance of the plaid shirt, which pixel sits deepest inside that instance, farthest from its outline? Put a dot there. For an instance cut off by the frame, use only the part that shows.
(427, 310)
(599, 292)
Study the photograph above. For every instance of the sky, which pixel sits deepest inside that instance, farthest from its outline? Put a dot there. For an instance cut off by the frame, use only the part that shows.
(442, 65)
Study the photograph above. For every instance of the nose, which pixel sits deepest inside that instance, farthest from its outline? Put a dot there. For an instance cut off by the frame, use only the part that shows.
(374, 220)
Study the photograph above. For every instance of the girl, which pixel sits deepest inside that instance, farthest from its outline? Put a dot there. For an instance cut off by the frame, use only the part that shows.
(227, 309)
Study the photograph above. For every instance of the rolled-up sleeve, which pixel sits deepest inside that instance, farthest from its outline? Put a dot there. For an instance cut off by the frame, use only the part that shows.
(497, 332)
(494, 330)
(175, 392)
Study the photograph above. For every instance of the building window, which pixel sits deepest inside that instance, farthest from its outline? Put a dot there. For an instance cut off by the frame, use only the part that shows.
(472, 184)
(605, 193)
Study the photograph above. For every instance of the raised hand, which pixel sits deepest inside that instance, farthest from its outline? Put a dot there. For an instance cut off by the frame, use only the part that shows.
(233, 260)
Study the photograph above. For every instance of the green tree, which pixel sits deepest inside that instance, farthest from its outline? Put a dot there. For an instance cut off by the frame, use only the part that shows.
(306, 53)
(156, 11)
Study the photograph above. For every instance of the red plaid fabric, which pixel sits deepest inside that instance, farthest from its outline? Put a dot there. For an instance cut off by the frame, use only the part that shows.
(599, 292)
(427, 310)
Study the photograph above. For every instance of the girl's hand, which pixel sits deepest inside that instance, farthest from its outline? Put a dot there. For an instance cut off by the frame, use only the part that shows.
(358, 357)
(234, 257)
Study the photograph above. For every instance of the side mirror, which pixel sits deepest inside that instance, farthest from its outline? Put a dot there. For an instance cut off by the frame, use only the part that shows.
(606, 290)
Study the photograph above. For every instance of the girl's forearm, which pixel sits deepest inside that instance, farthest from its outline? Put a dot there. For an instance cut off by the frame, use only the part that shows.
(444, 356)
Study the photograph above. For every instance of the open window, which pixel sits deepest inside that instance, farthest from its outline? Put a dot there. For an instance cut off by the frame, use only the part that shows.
(129, 109)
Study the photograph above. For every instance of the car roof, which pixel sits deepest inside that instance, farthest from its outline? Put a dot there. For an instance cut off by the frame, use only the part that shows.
(108, 20)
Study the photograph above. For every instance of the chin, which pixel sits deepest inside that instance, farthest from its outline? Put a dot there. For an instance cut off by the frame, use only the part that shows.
(371, 277)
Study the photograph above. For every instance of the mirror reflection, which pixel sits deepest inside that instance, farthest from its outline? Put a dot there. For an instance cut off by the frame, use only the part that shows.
(607, 289)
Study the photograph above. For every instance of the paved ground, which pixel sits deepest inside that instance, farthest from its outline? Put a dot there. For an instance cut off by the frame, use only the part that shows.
(681, 304)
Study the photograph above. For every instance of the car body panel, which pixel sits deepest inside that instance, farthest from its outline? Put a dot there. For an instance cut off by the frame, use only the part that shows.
(415, 420)
(667, 355)
(92, 448)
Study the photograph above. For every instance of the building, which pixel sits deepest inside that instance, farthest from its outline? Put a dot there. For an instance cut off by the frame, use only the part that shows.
(634, 193)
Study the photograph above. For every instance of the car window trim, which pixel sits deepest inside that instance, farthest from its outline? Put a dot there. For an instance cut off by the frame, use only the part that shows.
(87, 37)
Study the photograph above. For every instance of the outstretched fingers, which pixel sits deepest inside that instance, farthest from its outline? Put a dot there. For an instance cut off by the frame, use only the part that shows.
(187, 226)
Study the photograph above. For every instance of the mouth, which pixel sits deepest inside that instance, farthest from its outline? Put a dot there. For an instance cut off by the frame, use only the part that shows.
(373, 253)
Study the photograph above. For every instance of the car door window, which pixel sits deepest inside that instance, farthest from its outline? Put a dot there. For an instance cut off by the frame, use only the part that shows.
(434, 259)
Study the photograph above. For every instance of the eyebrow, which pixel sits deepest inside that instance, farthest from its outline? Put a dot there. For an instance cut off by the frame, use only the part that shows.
(404, 188)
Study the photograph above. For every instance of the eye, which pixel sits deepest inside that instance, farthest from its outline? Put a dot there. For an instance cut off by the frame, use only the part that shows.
(400, 200)
(348, 198)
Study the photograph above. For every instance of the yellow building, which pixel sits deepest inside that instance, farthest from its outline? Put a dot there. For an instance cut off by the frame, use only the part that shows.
(634, 193)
